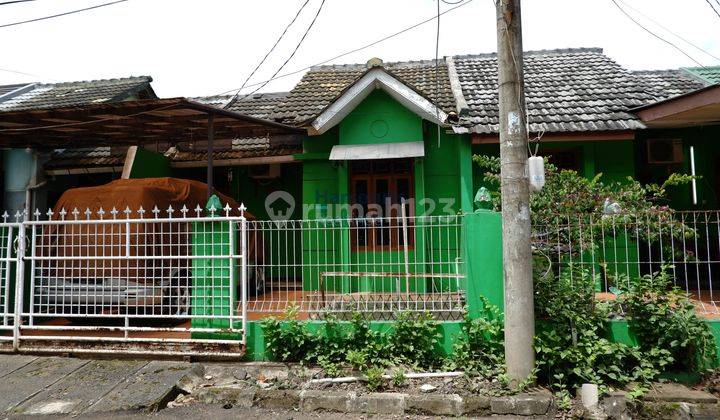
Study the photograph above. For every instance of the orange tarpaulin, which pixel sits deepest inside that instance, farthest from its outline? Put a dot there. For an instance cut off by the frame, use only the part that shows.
(93, 241)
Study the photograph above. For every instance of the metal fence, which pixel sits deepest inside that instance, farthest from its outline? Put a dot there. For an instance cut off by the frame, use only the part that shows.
(615, 249)
(375, 266)
(118, 277)
(168, 277)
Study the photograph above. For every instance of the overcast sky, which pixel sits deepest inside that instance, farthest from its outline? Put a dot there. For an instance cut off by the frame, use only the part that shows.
(194, 48)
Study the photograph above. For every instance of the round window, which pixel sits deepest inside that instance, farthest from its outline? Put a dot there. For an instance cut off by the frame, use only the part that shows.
(379, 128)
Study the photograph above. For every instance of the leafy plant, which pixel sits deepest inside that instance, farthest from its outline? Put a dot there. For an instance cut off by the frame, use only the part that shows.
(374, 378)
(662, 317)
(414, 341)
(287, 339)
(399, 379)
(479, 348)
(358, 359)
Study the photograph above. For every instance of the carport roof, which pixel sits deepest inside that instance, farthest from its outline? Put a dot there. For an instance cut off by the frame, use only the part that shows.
(128, 123)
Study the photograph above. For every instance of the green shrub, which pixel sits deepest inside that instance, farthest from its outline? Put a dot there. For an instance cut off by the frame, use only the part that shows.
(373, 378)
(414, 341)
(288, 340)
(479, 348)
(662, 317)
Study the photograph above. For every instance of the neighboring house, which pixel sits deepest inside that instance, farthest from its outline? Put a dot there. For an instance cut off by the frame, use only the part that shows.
(21, 169)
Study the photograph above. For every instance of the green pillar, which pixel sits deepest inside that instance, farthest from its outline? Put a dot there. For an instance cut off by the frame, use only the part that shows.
(482, 254)
(344, 231)
(466, 175)
(212, 292)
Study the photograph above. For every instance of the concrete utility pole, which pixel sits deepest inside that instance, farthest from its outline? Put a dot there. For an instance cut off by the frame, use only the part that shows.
(514, 183)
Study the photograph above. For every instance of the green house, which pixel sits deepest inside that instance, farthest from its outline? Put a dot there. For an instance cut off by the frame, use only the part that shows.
(387, 140)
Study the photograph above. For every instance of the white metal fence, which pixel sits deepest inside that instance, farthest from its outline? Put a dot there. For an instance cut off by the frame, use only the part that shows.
(614, 249)
(170, 278)
(375, 266)
(108, 280)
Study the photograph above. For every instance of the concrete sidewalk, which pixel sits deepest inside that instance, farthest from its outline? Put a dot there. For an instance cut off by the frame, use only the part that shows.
(32, 385)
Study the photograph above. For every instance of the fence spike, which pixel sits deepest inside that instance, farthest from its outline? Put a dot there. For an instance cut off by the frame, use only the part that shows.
(101, 213)
(5, 216)
(212, 210)
(88, 213)
(184, 211)
(114, 212)
(37, 214)
(242, 209)
(141, 212)
(63, 213)
(170, 211)
(155, 211)
(50, 214)
(227, 209)
(18, 215)
(198, 210)
(75, 212)
(127, 212)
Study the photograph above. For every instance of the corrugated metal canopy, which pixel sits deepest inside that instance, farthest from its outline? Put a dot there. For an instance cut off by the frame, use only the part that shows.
(128, 123)
(378, 151)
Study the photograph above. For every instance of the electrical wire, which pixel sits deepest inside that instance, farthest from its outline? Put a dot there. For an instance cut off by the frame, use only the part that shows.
(437, 79)
(713, 7)
(6, 25)
(669, 30)
(13, 2)
(654, 34)
(297, 47)
(371, 44)
(302, 7)
(363, 47)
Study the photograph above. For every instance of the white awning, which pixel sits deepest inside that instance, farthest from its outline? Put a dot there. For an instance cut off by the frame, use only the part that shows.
(378, 151)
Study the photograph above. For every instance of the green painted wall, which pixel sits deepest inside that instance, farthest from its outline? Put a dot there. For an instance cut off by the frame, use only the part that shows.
(440, 177)
(380, 119)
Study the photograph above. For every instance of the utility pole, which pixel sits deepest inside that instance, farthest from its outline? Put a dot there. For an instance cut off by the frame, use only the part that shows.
(515, 188)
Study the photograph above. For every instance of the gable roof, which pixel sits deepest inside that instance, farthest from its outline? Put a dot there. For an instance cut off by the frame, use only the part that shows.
(376, 77)
(323, 84)
(68, 94)
(567, 90)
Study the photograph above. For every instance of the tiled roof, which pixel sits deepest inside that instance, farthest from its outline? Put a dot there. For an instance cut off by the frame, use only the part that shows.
(113, 157)
(668, 83)
(322, 84)
(57, 95)
(96, 157)
(567, 90)
(710, 74)
(258, 105)
(228, 154)
(6, 89)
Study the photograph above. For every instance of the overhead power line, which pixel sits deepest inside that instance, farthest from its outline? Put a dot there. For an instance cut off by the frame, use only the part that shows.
(713, 8)
(669, 30)
(297, 47)
(61, 14)
(354, 50)
(385, 38)
(270, 50)
(3, 3)
(654, 34)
